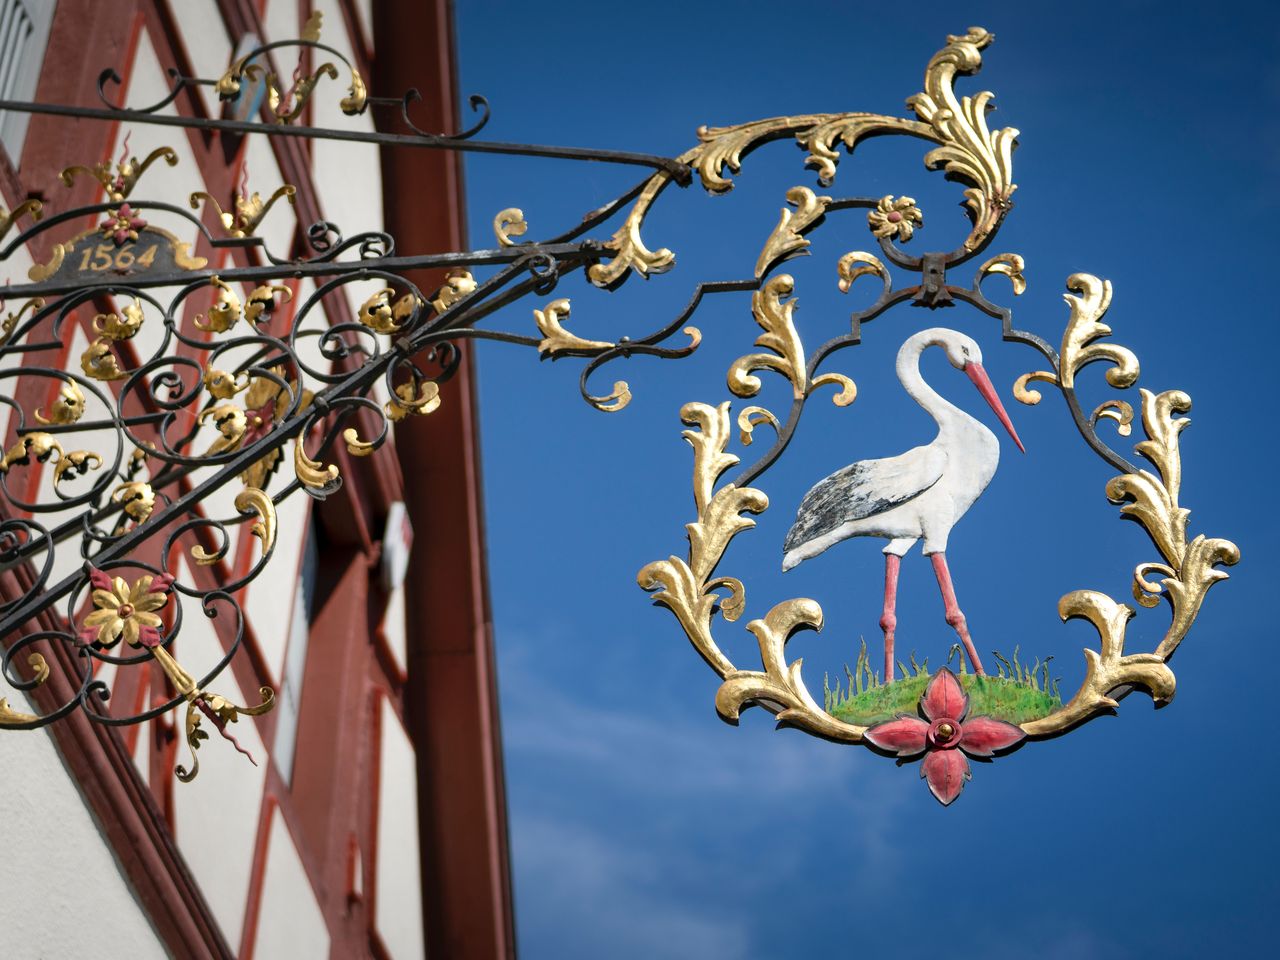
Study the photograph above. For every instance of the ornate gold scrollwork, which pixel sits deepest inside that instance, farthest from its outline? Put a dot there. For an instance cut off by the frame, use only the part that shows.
(247, 212)
(507, 224)
(68, 408)
(11, 717)
(967, 150)
(32, 208)
(137, 498)
(119, 183)
(458, 285)
(786, 349)
(787, 239)
(225, 312)
(687, 589)
(380, 315)
(10, 321)
(407, 401)
(1187, 569)
(555, 338)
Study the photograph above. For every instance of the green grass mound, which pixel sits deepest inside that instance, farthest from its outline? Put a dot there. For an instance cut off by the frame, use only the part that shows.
(1004, 699)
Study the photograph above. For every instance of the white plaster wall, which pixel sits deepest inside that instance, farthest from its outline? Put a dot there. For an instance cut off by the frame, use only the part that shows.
(64, 895)
(216, 815)
(281, 21)
(399, 906)
(348, 176)
(204, 34)
(290, 923)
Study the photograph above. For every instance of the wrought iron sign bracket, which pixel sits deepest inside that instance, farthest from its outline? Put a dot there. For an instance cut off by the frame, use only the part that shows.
(235, 373)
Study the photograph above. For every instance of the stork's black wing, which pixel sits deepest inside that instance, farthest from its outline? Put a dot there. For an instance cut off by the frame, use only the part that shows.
(864, 489)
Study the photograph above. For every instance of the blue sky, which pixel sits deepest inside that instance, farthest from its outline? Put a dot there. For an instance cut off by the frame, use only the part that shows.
(642, 825)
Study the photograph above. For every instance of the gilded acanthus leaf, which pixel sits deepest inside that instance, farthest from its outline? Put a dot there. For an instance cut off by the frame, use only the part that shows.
(967, 150)
(121, 326)
(787, 239)
(857, 264)
(225, 312)
(68, 408)
(1085, 327)
(1186, 569)
(787, 352)
(458, 285)
(1009, 264)
(406, 400)
(555, 338)
(780, 687)
(1107, 669)
(100, 363)
(507, 224)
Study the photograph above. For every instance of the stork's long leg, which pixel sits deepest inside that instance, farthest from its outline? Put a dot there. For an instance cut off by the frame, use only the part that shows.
(889, 619)
(954, 616)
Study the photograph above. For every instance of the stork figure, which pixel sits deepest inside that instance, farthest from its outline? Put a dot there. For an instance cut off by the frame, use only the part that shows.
(920, 494)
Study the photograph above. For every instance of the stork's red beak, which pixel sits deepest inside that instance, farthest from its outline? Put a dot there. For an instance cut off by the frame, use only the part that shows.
(983, 383)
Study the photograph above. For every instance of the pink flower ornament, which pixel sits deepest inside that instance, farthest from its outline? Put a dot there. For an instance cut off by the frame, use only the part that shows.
(944, 736)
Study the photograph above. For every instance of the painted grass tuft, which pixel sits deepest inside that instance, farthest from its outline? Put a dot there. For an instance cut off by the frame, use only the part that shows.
(1017, 693)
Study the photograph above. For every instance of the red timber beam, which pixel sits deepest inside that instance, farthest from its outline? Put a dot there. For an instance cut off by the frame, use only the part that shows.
(451, 699)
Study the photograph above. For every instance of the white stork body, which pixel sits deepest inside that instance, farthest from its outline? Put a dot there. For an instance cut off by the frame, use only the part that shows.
(918, 495)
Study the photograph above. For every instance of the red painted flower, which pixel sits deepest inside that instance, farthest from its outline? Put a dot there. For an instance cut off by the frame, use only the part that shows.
(122, 224)
(944, 736)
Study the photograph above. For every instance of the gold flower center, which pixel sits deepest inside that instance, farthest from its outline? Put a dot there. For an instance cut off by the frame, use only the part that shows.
(946, 731)
(125, 610)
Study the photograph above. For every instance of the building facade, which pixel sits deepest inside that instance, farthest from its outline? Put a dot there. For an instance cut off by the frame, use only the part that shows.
(371, 822)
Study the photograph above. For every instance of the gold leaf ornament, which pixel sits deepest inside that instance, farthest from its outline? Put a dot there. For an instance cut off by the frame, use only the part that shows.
(32, 208)
(261, 302)
(312, 473)
(380, 315)
(67, 409)
(458, 285)
(247, 212)
(100, 363)
(230, 422)
(225, 312)
(136, 498)
(895, 218)
(555, 338)
(787, 239)
(1009, 264)
(774, 315)
(76, 463)
(223, 385)
(10, 321)
(507, 224)
(408, 400)
(119, 183)
(39, 445)
(857, 264)
(123, 325)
